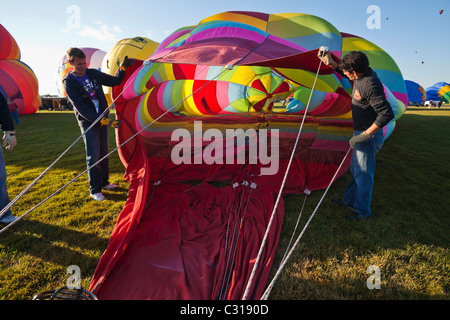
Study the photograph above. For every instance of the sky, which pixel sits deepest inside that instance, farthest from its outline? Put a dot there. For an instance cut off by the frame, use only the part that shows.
(412, 32)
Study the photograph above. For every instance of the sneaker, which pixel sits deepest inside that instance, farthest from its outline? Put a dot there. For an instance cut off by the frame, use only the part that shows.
(98, 196)
(9, 219)
(354, 216)
(110, 186)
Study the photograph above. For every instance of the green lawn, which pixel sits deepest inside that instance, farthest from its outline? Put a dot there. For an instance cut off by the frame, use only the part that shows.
(407, 237)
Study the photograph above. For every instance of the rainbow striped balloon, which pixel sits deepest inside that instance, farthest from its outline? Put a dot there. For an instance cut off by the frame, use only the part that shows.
(17, 81)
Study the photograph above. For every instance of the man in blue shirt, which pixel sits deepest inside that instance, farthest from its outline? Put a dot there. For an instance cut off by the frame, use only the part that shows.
(83, 87)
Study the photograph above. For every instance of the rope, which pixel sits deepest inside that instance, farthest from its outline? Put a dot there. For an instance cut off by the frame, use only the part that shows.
(20, 195)
(283, 263)
(231, 258)
(307, 193)
(107, 155)
(258, 258)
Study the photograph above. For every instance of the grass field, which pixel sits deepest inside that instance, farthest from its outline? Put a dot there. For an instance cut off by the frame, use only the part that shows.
(407, 238)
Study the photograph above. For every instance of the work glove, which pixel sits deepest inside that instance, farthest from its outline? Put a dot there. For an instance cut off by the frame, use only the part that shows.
(359, 138)
(9, 140)
(113, 123)
(325, 56)
(127, 63)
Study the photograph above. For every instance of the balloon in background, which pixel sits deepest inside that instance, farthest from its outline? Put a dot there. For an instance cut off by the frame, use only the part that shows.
(94, 59)
(440, 91)
(416, 93)
(8, 45)
(17, 80)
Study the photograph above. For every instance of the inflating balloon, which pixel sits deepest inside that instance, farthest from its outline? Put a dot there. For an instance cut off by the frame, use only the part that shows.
(206, 106)
(139, 48)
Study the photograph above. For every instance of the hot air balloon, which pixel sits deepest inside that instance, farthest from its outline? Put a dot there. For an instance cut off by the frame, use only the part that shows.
(440, 91)
(17, 80)
(94, 59)
(139, 48)
(206, 97)
(416, 93)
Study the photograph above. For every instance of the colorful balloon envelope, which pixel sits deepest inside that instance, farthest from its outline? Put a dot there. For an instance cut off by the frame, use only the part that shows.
(138, 48)
(416, 93)
(229, 74)
(17, 81)
(8, 45)
(440, 91)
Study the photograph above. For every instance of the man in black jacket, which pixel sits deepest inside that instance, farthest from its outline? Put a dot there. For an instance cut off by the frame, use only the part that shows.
(84, 89)
(9, 142)
(371, 112)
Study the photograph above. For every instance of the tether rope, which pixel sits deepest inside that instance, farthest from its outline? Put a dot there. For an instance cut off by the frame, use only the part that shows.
(307, 193)
(107, 155)
(258, 258)
(283, 262)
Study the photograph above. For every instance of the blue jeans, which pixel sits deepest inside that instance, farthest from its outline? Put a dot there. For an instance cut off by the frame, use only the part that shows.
(358, 194)
(4, 200)
(96, 146)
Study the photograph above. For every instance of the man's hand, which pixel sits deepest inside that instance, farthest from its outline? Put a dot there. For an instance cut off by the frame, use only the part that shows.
(113, 123)
(127, 63)
(9, 140)
(325, 56)
(359, 138)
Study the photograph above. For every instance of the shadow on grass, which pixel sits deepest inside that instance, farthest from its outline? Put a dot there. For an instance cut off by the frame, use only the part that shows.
(54, 244)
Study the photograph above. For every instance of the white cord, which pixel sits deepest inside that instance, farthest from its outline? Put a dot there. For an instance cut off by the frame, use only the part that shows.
(283, 263)
(252, 275)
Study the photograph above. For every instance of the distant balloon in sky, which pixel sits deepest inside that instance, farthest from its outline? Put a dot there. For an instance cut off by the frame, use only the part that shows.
(94, 59)
(441, 11)
(17, 81)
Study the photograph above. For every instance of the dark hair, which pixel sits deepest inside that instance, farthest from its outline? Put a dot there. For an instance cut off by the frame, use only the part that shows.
(75, 52)
(355, 61)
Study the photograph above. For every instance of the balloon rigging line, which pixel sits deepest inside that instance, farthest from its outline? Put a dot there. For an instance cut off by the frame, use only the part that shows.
(107, 155)
(20, 195)
(307, 192)
(231, 258)
(235, 186)
(258, 258)
(283, 262)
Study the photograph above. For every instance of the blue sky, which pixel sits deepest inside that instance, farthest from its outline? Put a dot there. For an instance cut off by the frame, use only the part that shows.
(409, 31)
